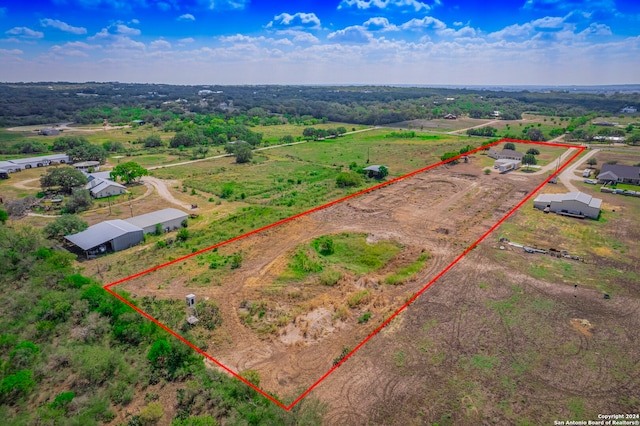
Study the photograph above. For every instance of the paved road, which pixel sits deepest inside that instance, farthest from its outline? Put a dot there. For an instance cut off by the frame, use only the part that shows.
(568, 174)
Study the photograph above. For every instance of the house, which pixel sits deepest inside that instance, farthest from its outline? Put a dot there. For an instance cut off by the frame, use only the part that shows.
(496, 114)
(629, 110)
(85, 166)
(110, 235)
(100, 188)
(96, 175)
(450, 117)
(138, 122)
(9, 167)
(617, 173)
(374, 171)
(49, 131)
(504, 166)
(576, 204)
(505, 154)
(168, 219)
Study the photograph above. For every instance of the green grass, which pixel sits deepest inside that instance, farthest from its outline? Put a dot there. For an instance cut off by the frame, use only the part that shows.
(407, 272)
(352, 252)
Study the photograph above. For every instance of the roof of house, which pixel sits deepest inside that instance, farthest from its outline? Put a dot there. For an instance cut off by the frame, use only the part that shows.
(511, 153)
(625, 172)
(87, 164)
(160, 216)
(101, 233)
(99, 175)
(375, 168)
(96, 185)
(608, 176)
(570, 196)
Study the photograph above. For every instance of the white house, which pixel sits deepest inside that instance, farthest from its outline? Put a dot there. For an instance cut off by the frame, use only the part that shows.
(100, 188)
(629, 110)
(576, 204)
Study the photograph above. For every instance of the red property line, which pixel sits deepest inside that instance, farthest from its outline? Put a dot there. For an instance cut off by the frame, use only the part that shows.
(388, 320)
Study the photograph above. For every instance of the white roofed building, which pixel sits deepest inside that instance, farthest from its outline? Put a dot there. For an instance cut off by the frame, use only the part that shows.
(576, 204)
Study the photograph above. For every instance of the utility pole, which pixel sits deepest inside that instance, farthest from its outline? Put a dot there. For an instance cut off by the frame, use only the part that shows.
(130, 204)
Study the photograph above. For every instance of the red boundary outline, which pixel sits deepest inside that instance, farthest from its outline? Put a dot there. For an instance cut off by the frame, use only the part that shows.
(388, 320)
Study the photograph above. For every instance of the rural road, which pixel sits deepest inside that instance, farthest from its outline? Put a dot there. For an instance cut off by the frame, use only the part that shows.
(568, 174)
(161, 186)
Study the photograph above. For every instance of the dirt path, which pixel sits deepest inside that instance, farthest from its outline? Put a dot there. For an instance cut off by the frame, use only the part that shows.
(455, 132)
(161, 186)
(569, 173)
(23, 184)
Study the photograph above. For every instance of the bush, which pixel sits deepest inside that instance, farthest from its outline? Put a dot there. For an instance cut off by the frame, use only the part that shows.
(364, 318)
(330, 277)
(347, 179)
(183, 234)
(236, 260)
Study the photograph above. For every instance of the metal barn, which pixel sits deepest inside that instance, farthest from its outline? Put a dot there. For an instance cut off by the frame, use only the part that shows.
(170, 219)
(111, 235)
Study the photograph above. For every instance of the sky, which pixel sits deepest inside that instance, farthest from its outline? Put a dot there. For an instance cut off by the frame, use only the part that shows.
(413, 42)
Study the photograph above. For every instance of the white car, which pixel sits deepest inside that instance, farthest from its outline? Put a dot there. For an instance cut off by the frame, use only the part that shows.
(590, 181)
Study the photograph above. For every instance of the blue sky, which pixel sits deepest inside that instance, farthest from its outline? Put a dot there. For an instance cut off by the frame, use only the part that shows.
(547, 42)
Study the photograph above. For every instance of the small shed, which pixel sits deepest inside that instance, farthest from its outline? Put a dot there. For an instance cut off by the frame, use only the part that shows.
(110, 235)
(170, 219)
(49, 131)
(374, 171)
(4, 174)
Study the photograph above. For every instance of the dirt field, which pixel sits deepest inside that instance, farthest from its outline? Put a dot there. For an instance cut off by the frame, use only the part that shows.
(441, 212)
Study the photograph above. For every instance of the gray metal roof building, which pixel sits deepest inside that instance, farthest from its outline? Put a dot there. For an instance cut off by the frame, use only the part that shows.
(114, 235)
(169, 219)
(572, 203)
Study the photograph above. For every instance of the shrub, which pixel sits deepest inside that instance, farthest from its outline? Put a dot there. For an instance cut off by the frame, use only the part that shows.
(183, 234)
(236, 260)
(347, 179)
(364, 318)
(330, 277)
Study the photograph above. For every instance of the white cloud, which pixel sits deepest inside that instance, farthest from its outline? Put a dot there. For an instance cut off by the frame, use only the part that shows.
(426, 22)
(299, 36)
(160, 44)
(135, 21)
(241, 39)
(353, 34)
(384, 4)
(125, 30)
(466, 32)
(597, 29)
(11, 52)
(187, 40)
(300, 19)
(62, 26)
(225, 4)
(548, 22)
(186, 17)
(379, 24)
(24, 32)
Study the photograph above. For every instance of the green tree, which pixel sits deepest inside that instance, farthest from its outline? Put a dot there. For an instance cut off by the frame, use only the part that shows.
(128, 172)
(153, 141)
(383, 172)
(87, 152)
(309, 133)
(448, 156)
(529, 160)
(189, 137)
(66, 178)
(533, 151)
(286, 139)
(66, 224)
(79, 201)
(241, 150)
(510, 145)
(341, 130)
(534, 134)
(592, 161)
(151, 414)
(3, 216)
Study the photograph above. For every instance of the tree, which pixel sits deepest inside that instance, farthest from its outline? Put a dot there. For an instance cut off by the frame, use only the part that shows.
(341, 130)
(383, 172)
(3, 216)
(309, 133)
(200, 151)
(128, 172)
(241, 150)
(189, 137)
(510, 145)
(534, 134)
(66, 224)
(529, 159)
(286, 139)
(87, 152)
(153, 141)
(66, 178)
(533, 151)
(592, 162)
(448, 156)
(79, 201)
